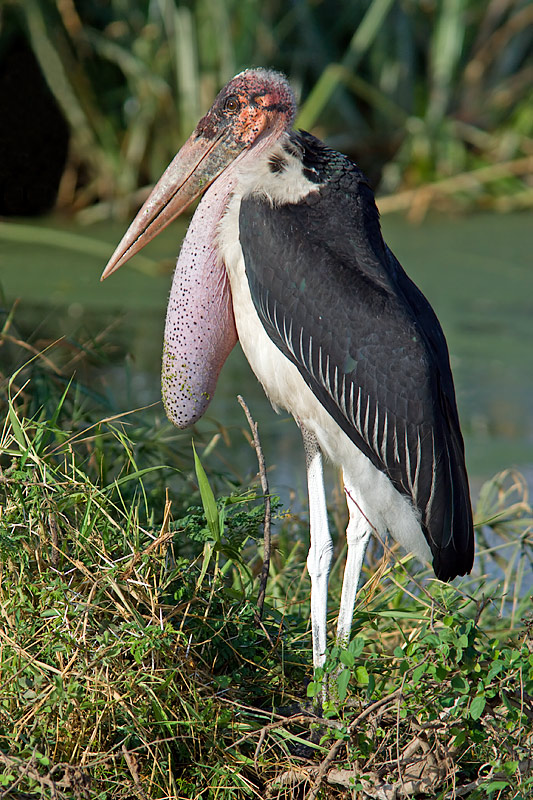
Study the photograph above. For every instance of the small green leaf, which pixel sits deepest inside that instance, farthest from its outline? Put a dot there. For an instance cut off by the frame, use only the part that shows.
(18, 432)
(508, 705)
(361, 675)
(208, 499)
(342, 684)
(207, 553)
(477, 706)
(495, 669)
(419, 671)
(496, 786)
(357, 646)
(460, 737)
(460, 683)
(347, 658)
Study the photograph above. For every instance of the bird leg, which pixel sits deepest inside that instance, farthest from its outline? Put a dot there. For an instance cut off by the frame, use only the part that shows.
(357, 536)
(321, 546)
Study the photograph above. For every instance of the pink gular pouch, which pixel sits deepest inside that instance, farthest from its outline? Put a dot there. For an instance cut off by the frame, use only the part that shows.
(200, 327)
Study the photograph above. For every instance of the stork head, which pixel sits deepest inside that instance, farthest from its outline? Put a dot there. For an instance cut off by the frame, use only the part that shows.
(255, 107)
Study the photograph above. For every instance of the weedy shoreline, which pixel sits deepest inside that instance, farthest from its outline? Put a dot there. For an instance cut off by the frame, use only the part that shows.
(133, 663)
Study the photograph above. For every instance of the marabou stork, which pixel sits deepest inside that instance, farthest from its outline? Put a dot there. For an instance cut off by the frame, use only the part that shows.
(285, 253)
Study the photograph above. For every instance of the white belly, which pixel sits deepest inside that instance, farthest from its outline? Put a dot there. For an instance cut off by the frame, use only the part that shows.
(374, 493)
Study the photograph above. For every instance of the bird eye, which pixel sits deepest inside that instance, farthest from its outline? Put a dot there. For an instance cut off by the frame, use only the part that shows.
(231, 103)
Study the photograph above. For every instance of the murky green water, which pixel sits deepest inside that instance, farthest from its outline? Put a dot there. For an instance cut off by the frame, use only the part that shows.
(477, 272)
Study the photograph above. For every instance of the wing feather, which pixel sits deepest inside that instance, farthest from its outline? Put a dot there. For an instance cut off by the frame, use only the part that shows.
(337, 303)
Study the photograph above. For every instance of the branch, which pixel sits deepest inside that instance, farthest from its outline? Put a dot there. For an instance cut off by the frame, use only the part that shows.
(266, 525)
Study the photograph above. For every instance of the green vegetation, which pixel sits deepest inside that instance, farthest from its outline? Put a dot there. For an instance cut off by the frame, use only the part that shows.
(438, 92)
(132, 659)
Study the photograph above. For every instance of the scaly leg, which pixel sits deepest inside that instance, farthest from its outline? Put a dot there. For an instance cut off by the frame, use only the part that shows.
(321, 546)
(357, 536)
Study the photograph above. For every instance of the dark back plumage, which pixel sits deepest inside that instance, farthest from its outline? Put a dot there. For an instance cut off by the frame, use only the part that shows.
(337, 303)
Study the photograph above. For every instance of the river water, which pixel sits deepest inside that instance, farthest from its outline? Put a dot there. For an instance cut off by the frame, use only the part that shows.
(477, 271)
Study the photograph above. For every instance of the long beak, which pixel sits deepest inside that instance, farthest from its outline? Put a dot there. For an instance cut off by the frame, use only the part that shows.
(199, 162)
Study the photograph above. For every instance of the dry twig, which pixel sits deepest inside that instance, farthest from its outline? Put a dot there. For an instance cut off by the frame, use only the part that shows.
(266, 525)
(334, 750)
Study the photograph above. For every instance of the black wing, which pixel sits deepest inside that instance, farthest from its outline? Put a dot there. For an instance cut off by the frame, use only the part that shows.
(337, 303)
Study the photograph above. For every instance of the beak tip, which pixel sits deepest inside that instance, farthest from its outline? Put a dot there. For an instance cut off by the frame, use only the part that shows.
(111, 266)
(191, 171)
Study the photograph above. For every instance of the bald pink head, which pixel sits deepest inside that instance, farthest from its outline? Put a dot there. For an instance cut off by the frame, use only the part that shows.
(254, 107)
(254, 101)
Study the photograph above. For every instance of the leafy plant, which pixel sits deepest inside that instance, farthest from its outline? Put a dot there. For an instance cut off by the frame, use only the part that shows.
(133, 662)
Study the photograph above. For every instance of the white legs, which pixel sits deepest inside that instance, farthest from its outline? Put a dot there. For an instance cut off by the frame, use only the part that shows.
(321, 552)
(321, 546)
(357, 536)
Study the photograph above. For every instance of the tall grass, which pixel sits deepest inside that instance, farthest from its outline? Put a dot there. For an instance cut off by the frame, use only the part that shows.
(431, 90)
(133, 662)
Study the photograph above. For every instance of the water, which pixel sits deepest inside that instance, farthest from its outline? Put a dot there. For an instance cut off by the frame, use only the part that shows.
(476, 271)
